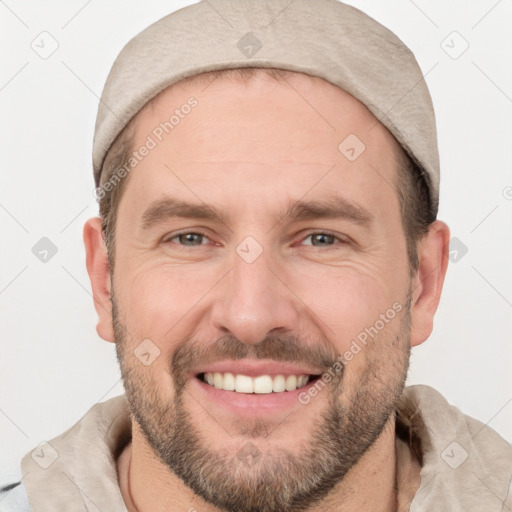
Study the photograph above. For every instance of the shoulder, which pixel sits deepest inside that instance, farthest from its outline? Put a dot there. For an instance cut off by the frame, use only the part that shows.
(444, 421)
(466, 464)
(79, 462)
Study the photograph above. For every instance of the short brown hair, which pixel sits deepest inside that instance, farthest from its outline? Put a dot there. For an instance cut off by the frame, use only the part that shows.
(417, 212)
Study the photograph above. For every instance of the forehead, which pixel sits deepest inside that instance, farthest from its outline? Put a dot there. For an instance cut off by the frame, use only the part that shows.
(285, 138)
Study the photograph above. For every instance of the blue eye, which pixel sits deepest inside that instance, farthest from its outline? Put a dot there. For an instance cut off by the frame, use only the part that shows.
(189, 239)
(321, 239)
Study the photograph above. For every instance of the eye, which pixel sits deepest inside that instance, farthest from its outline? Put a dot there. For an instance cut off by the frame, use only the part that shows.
(189, 239)
(321, 239)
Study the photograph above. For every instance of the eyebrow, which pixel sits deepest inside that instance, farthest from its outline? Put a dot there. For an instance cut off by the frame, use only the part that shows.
(168, 207)
(330, 208)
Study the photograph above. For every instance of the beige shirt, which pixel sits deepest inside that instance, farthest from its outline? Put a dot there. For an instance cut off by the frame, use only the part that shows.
(466, 466)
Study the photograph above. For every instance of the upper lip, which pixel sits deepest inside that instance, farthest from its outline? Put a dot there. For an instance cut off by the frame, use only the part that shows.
(254, 368)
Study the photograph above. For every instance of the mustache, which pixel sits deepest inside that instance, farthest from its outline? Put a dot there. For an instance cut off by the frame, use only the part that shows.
(282, 348)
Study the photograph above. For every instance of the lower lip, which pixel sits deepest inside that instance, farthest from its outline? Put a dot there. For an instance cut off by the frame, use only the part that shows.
(250, 403)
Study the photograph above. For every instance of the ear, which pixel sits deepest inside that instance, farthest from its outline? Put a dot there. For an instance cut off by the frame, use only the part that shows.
(99, 273)
(427, 284)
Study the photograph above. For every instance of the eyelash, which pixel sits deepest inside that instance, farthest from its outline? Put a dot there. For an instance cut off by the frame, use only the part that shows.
(203, 234)
(196, 232)
(326, 233)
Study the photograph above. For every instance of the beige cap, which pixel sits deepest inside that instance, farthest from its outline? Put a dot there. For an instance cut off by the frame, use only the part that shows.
(323, 38)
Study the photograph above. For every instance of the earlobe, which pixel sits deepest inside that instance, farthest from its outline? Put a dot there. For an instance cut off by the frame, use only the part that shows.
(98, 269)
(433, 251)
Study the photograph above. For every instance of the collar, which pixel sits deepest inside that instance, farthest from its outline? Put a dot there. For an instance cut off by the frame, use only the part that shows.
(465, 464)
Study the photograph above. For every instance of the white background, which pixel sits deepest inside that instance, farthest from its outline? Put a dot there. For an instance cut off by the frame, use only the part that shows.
(53, 366)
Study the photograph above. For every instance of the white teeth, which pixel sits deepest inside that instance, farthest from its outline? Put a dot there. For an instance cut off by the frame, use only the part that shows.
(263, 384)
(291, 383)
(243, 384)
(229, 382)
(218, 380)
(302, 380)
(278, 384)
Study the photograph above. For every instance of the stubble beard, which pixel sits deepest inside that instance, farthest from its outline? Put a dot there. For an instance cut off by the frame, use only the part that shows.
(276, 481)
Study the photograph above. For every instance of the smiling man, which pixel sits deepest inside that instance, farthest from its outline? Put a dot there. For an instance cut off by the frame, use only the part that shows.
(248, 259)
(266, 256)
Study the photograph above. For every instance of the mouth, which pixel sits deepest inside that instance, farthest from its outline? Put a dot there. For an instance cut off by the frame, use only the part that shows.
(249, 388)
(261, 384)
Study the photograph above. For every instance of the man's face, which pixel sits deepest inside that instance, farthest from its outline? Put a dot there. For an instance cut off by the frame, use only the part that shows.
(273, 284)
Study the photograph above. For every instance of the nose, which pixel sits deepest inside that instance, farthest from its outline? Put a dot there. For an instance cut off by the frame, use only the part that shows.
(253, 300)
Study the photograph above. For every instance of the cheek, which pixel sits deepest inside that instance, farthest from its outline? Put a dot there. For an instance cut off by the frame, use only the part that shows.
(159, 300)
(345, 301)
(157, 306)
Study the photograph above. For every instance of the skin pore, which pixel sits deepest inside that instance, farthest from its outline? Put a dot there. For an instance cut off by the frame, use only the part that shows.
(246, 235)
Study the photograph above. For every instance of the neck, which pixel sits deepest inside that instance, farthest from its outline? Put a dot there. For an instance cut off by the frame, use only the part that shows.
(384, 480)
